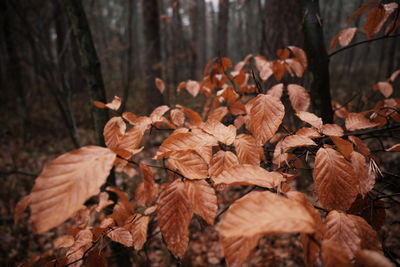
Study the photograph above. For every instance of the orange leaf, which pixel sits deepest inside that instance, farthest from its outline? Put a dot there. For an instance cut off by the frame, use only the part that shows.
(266, 71)
(310, 118)
(218, 114)
(113, 132)
(114, 105)
(333, 255)
(294, 67)
(280, 156)
(158, 113)
(64, 241)
(265, 213)
(266, 115)
(334, 180)
(177, 117)
(308, 132)
(376, 17)
(104, 201)
(139, 231)
(83, 241)
(345, 147)
(174, 212)
(282, 53)
(341, 229)
(361, 146)
(246, 174)
(122, 236)
(203, 199)
(361, 170)
(332, 130)
(357, 121)
(394, 75)
(344, 37)
(369, 237)
(21, 207)
(66, 183)
(147, 189)
(361, 10)
(370, 258)
(292, 141)
(278, 68)
(160, 85)
(189, 164)
(396, 148)
(224, 134)
(385, 88)
(299, 97)
(300, 55)
(184, 141)
(194, 117)
(237, 249)
(222, 160)
(276, 90)
(247, 149)
(193, 87)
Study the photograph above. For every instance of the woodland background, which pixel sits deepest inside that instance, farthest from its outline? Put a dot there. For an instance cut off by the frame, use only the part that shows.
(45, 103)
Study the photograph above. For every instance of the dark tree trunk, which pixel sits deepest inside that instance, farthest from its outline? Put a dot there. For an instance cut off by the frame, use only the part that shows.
(221, 40)
(152, 64)
(318, 59)
(282, 26)
(90, 63)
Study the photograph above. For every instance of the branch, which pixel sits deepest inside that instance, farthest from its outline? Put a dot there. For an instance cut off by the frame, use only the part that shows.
(374, 130)
(6, 173)
(363, 42)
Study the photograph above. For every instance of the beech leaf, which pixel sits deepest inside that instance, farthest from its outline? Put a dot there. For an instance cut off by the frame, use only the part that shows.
(247, 149)
(189, 164)
(247, 174)
(222, 160)
(265, 213)
(335, 182)
(357, 121)
(266, 115)
(174, 212)
(310, 118)
(237, 249)
(299, 97)
(122, 236)
(66, 183)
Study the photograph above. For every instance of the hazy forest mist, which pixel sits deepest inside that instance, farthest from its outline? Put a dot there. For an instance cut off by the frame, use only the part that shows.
(57, 57)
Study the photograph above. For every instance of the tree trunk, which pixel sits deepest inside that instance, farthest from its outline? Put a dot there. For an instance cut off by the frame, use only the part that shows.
(318, 59)
(152, 64)
(90, 64)
(221, 40)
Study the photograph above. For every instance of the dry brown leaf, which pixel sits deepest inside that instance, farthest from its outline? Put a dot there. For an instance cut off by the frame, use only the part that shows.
(174, 212)
(369, 237)
(222, 160)
(299, 97)
(139, 231)
(184, 141)
(160, 85)
(122, 236)
(224, 134)
(236, 108)
(276, 90)
(157, 114)
(218, 114)
(21, 206)
(64, 241)
(334, 179)
(265, 213)
(371, 258)
(293, 65)
(203, 199)
(332, 130)
(394, 75)
(237, 249)
(113, 132)
(341, 229)
(361, 170)
(104, 201)
(344, 37)
(385, 88)
(300, 55)
(246, 174)
(279, 156)
(308, 132)
(147, 189)
(193, 116)
(189, 164)
(361, 10)
(83, 241)
(266, 115)
(247, 149)
(361, 146)
(345, 147)
(395, 147)
(114, 105)
(295, 140)
(177, 117)
(357, 121)
(66, 183)
(333, 255)
(193, 87)
(310, 118)
(377, 17)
